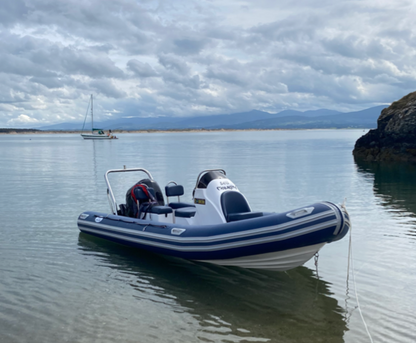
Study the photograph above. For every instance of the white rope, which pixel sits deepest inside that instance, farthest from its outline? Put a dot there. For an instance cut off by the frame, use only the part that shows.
(355, 285)
(316, 264)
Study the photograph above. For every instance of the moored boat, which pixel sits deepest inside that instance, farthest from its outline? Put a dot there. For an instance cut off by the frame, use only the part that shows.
(218, 227)
(95, 133)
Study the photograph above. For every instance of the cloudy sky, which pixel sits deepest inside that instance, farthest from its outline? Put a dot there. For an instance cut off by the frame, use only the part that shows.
(181, 58)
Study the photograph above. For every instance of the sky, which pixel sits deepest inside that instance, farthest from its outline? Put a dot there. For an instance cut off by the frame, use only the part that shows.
(143, 58)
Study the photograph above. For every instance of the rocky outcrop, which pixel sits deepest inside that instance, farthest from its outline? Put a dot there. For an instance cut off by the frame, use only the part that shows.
(395, 136)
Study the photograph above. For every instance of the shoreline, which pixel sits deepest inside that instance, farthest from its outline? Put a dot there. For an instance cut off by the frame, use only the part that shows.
(50, 132)
(36, 132)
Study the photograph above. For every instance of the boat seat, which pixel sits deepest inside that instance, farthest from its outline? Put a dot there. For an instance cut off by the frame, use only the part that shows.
(185, 212)
(177, 205)
(235, 207)
(176, 190)
(161, 210)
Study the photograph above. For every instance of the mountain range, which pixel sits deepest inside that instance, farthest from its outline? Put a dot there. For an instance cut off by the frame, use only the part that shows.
(288, 119)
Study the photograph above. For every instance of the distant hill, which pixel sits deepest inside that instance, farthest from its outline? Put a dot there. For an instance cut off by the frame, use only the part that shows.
(288, 119)
(361, 119)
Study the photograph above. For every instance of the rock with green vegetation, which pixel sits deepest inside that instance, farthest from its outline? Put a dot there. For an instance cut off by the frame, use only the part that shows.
(395, 136)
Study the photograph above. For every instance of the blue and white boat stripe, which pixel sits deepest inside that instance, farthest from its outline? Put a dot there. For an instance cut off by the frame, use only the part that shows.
(275, 229)
(215, 242)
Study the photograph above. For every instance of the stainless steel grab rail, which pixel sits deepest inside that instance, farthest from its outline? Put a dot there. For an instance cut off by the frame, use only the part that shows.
(110, 194)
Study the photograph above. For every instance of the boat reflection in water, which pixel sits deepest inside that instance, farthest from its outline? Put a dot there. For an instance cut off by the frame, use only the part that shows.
(220, 303)
(395, 187)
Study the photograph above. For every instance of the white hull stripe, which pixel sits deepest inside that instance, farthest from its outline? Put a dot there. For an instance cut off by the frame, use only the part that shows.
(279, 260)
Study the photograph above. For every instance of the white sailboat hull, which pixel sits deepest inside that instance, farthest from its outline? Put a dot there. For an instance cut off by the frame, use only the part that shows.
(92, 136)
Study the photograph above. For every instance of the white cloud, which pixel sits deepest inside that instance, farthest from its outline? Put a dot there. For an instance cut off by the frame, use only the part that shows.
(180, 58)
(22, 119)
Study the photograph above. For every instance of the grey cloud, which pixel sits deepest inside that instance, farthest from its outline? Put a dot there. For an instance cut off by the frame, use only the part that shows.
(178, 80)
(50, 82)
(222, 33)
(141, 69)
(226, 75)
(105, 48)
(188, 46)
(83, 62)
(182, 58)
(232, 72)
(21, 66)
(7, 93)
(356, 46)
(294, 28)
(106, 87)
(122, 23)
(173, 63)
(40, 57)
(12, 12)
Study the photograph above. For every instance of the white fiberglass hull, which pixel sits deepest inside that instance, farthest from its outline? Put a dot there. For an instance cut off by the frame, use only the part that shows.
(91, 136)
(276, 261)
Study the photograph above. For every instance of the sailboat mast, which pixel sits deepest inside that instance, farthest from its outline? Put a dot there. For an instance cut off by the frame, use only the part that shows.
(92, 119)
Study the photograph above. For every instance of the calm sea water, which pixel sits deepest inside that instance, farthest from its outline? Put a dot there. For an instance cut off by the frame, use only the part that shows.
(57, 285)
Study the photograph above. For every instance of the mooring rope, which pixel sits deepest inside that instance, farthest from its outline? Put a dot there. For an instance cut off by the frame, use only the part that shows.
(351, 263)
(316, 264)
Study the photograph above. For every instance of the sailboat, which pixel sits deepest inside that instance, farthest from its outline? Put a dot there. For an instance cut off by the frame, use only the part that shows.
(95, 133)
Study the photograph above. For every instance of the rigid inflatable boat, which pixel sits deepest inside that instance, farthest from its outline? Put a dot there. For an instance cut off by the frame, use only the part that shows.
(218, 227)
